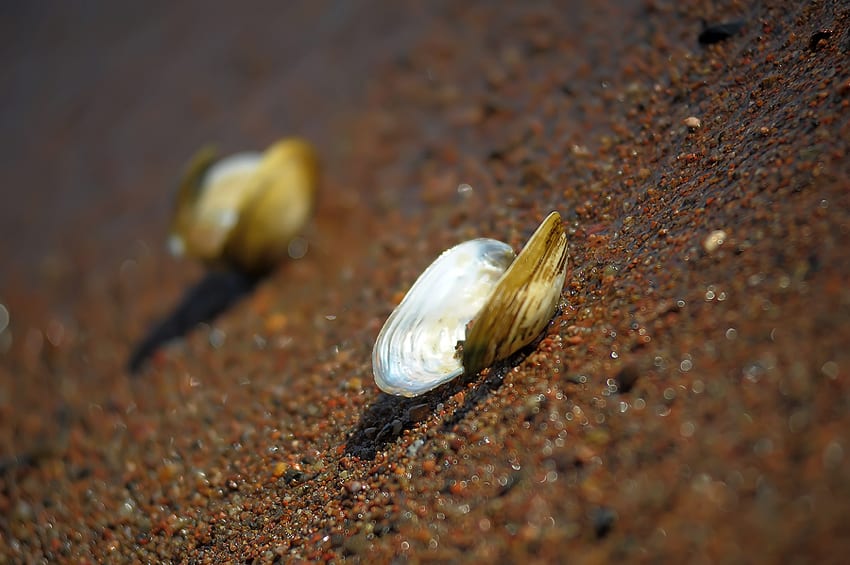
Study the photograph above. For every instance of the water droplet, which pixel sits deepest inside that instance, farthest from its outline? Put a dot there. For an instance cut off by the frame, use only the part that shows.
(297, 248)
(764, 446)
(55, 332)
(830, 369)
(832, 455)
(4, 318)
(217, 338)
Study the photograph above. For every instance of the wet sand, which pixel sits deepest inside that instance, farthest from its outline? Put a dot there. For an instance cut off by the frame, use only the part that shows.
(688, 403)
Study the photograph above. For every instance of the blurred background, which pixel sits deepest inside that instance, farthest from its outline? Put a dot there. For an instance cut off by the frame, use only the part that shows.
(104, 102)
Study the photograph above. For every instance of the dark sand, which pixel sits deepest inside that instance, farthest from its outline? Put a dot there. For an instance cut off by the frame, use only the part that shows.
(687, 403)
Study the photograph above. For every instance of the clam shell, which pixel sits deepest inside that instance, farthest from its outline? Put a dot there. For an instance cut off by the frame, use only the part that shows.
(505, 302)
(416, 349)
(242, 211)
(523, 302)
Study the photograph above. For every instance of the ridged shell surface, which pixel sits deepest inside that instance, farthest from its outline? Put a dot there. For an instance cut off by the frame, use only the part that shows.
(416, 349)
(524, 300)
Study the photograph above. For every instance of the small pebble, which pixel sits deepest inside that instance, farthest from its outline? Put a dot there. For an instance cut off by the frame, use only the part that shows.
(693, 123)
(418, 412)
(414, 448)
(714, 240)
(354, 487)
(357, 544)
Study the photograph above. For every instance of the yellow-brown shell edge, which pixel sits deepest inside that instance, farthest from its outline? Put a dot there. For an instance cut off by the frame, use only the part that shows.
(524, 301)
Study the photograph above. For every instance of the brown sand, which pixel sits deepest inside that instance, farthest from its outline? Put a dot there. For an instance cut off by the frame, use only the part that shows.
(689, 402)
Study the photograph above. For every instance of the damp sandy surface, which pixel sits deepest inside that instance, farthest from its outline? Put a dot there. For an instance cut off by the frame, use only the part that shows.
(689, 401)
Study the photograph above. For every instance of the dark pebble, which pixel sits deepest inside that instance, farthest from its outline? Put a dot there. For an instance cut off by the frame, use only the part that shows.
(292, 476)
(603, 519)
(719, 32)
(418, 412)
(819, 39)
(627, 377)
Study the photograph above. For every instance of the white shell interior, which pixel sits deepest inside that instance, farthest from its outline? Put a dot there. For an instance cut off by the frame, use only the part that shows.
(224, 188)
(236, 164)
(416, 349)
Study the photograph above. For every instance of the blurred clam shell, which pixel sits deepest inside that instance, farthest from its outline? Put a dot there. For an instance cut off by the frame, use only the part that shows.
(416, 350)
(242, 211)
(506, 302)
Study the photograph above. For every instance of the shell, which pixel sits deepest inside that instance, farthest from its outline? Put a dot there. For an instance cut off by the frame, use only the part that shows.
(506, 303)
(524, 300)
(241, 212)
(416, 350)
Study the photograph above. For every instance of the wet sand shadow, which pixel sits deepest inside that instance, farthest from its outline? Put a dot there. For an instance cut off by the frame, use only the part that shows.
(386, 419)
(215, 293)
